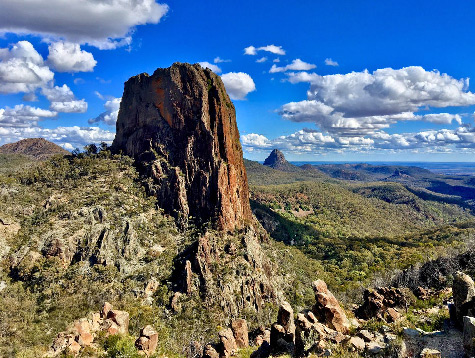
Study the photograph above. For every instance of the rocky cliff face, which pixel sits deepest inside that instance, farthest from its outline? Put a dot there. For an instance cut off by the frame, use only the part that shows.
(180, 125)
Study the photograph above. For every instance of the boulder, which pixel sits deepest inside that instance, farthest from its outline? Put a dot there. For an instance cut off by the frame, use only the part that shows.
(228, 345)
(210, 351)
(375, 347)
(422, 293)
(121, 319)
(469, 335)
(391, 315)
(282, 334)
(83, 329)
(356, 344)
(327, 308)
(106, 308)
(147, 341)
(366, 335)
(380, 303)
(241, 334)
(262, 337)
(74, 348)
(463, 290)
(180, 126)
(430, 353)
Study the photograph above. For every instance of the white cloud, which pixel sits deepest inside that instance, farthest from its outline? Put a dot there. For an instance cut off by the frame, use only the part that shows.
(102, 23)
(22, 116)
(315, 142)
(219, 60)
(68, 57)
(63, 100)
(110, 115)
(360, 103)
(212, 67)
(255, 140)
(440, 118)
(251, 50)
(22, 69)
(238, 84)
(295, 65)
(305, 140)
(102, 80)
(261, 60)
(277, 50)
(330, 62)
(276, 60)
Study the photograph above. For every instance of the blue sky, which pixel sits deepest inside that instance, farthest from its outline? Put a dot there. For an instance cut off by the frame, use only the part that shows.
(352, 80)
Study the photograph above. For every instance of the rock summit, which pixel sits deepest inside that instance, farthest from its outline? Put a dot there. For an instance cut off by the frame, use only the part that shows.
(180, 126)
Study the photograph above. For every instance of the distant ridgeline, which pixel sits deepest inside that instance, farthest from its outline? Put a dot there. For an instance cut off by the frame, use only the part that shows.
(37, 148)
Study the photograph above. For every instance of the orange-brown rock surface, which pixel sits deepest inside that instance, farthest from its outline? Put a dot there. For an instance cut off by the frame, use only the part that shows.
(181, 126)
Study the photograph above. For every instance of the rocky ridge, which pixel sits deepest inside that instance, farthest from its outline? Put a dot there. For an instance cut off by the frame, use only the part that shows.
(37, 148)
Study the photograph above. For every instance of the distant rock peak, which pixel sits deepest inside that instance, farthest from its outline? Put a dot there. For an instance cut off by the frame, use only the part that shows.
(276, 160)
(276, 157)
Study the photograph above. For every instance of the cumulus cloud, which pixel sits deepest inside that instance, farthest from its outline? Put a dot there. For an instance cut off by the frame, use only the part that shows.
(68, 57)
(251, 50)
(261, 60)
(22, 69)
(315, 142)
(254, 140)
(62, 99)
(295, 65)
(305, 140)
(277, 50)
(212, 67)
(330, 62)
(238, 84)
(109, 116)
(67, 137)
(22, 116)
(360, 103)
(219, 60)
(117, 18)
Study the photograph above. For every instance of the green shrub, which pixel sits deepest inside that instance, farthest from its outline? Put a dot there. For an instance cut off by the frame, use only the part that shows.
(120, 347)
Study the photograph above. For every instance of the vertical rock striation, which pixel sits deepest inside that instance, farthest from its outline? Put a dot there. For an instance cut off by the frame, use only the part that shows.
(180, 125)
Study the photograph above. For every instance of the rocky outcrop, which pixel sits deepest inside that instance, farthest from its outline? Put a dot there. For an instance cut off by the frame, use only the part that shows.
(81, 333)
(327, 308)
(469, 336)
(381, 303)
(233, 280)
(148, 340)
(240, 331)
(282, 334)
(228, 345)
(463, 290)
(276, 160)
(180, 126)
